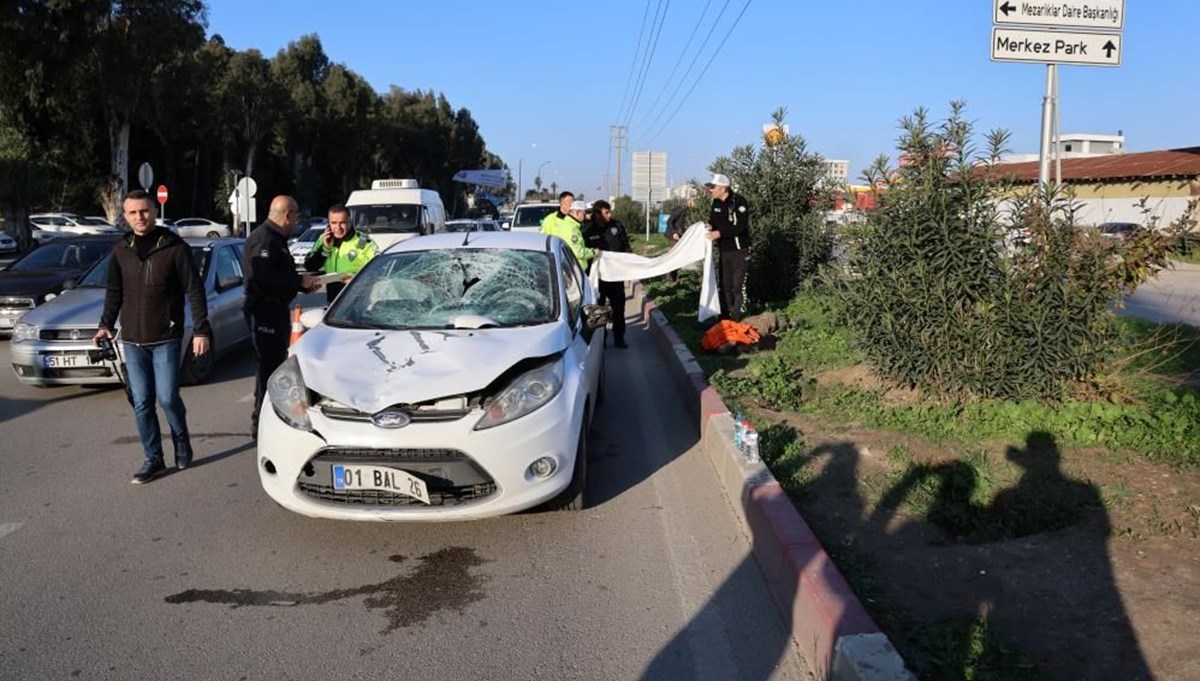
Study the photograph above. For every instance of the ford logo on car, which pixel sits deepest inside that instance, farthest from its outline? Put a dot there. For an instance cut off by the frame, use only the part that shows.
(391, 418)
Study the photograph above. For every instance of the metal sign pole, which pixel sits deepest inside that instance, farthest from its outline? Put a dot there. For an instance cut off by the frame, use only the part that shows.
(1044, 152)
(1057, 132)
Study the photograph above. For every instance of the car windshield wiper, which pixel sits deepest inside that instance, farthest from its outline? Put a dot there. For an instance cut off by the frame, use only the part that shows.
(350, 324)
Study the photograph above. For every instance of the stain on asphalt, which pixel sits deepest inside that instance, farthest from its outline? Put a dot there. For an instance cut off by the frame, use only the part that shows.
(443, 580)
(135, 440)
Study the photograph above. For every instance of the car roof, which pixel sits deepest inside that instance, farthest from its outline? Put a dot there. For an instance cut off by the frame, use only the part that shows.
(520, 241)
(213, 243)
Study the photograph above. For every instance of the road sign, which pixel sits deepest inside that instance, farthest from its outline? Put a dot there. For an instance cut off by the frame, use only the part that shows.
(1056, 47)
(1094, 14)
(241, 200)
(162, 193)
(247, 186)
(145, 176)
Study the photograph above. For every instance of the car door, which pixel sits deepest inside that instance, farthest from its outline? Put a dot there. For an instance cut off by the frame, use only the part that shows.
(586, 351)
(225, 299)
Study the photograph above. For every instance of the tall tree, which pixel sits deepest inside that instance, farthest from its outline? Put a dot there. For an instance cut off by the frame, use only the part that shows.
(133, 38)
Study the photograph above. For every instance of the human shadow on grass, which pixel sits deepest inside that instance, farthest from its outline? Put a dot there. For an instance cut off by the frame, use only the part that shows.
(1031, 566)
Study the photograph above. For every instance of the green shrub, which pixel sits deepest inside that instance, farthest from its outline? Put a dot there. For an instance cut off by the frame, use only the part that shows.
(942, 303)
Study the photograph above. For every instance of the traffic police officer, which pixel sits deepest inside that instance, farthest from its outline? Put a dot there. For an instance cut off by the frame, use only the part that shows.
(340, 250)
(271, 284)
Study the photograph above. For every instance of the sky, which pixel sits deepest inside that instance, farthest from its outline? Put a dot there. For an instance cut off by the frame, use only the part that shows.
(545, 80)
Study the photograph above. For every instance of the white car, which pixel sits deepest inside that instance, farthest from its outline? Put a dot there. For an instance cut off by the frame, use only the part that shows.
(8, 245)
(453, 379)
(200, 227)
(68, 224)
(300, 247)
(528, 216)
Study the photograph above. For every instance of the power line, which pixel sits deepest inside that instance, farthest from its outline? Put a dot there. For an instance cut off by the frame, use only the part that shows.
(661, 21)
(683, 79)
(633, 66)
(675, 68)
(701, 76)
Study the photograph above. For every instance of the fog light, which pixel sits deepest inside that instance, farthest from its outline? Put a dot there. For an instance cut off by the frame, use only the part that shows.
(543, 467)
(268, 466)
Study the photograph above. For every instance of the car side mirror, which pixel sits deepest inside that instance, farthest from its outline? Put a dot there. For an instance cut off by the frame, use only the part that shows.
(229, 282)
(596, 316)
(69, 284)
(311, 317)
(506, 226)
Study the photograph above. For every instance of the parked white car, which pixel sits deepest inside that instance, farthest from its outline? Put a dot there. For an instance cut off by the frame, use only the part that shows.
(450, 380)
(300, 247)
(67, 224)
(200, 228)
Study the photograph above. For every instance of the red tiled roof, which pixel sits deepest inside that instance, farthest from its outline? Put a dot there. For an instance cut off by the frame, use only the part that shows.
(1145, 165)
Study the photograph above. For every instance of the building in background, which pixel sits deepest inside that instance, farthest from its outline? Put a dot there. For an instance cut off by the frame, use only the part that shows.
(1078, 145)
(1110, 188)
(837, 171)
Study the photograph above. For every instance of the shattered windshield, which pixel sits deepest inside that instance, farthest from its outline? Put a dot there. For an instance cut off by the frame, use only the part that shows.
(447, 289)
(394, 218)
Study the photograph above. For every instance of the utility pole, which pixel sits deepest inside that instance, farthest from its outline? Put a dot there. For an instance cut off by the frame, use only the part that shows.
(618, 138)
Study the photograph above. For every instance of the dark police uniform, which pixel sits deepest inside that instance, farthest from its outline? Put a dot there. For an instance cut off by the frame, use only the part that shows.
(731, 217)
(271, 284)
(610, 236)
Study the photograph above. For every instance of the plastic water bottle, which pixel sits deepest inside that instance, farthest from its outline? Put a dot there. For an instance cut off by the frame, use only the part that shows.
(739, 432)
(750, 443)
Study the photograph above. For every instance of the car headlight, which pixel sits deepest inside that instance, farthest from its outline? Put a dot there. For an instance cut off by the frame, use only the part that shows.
(25, 332)
(528, 392)
(289, 395)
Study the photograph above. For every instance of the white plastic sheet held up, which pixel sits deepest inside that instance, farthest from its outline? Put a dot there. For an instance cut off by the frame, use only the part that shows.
(691, 247)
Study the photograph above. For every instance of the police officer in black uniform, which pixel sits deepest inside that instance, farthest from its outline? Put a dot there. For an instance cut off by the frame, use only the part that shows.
(729, 227)
(607, 234)
(271, 284)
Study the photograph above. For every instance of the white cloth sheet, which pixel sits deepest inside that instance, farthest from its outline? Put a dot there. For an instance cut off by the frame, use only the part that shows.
(693, 246)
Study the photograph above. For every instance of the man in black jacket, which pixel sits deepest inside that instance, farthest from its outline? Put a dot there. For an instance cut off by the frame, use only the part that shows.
(729, 226)
(271, 284)
(149, 274)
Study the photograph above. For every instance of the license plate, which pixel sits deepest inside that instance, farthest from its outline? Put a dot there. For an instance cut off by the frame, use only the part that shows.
(381, 479)
(66, 361)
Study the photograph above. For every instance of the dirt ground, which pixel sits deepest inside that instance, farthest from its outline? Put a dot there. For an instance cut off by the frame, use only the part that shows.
(1077, 564)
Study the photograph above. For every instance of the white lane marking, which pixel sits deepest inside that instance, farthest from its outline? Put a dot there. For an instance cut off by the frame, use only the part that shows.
(9, 528)
(246, 399)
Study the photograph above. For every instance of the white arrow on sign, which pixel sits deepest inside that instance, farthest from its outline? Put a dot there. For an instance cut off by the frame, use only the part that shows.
(1056, 47)
(1103, 14)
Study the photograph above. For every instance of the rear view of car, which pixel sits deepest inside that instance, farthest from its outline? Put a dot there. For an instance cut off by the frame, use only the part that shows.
(528, 217)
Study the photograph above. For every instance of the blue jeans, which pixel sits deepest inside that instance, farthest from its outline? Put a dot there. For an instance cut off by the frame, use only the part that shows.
(152, 371)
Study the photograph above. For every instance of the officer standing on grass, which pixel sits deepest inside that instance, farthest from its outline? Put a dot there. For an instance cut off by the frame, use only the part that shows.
(729, 227)
(272, 282)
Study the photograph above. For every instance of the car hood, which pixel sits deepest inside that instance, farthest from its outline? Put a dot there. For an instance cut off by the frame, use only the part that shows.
(369, 370)
(33, 282)
(78, 307)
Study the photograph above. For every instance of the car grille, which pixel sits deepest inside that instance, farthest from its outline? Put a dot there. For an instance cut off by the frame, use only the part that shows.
(78, 372)
(67, 334)
(16, 303)
(451, 477)
(340, 412)
(453, 496)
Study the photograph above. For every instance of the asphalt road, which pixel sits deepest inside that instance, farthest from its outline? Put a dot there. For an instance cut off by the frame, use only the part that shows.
(200, 576)
(1172, 296)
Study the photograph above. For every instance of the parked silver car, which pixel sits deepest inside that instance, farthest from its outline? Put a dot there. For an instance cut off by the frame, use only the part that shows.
(200, 227)
(50, 344)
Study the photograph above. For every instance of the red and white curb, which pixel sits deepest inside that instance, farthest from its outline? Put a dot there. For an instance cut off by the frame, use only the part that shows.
(838, 638)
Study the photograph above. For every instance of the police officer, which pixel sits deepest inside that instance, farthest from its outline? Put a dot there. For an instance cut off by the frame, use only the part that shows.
(271, 284)
(570, 230)
(729, 227)
(606, 234)
(340, 250)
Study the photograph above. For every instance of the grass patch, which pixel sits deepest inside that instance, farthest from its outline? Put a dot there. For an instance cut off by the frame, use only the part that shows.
(656, 245)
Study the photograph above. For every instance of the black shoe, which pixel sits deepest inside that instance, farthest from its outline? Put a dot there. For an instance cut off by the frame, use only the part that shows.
(182, 462)
(620, 344)
(148, 472)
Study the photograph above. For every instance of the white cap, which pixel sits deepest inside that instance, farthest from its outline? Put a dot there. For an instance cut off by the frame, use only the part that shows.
(718, 180)
(578, 205)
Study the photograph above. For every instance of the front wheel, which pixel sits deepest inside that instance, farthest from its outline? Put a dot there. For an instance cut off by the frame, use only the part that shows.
(213, 235)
